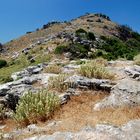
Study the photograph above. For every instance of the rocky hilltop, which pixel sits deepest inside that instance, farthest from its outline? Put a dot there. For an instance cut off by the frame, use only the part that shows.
(71, 80)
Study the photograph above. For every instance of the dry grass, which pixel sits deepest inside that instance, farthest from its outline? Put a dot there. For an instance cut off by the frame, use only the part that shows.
(95, 69)
(100, 61)
(137, 60)
(79, 113)
(57, 83)
(53, 69)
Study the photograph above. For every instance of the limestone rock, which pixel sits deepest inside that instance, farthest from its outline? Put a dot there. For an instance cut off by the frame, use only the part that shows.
(83, 82)
(130, 131)
(125, 93)
(133, 72)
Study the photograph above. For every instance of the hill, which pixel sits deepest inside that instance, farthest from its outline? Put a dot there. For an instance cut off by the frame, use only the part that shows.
(56, 34)
(71, 80)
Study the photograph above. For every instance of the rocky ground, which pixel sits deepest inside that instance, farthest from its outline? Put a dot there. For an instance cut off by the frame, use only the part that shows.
(95, 109)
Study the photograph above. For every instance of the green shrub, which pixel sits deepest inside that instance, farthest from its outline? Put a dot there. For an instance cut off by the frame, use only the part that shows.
(84, 34)
(33, 107)
(95, 70)
(91, 36)
(78, 51)
(80, 31)
(81, 34)
(116, 48)
(60, 49)
(3, 63)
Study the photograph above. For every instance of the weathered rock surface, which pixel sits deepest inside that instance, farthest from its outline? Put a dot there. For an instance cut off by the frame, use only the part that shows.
(133, 72)
(83, 82)
(27, 72)
(125, 93)
(130, 131)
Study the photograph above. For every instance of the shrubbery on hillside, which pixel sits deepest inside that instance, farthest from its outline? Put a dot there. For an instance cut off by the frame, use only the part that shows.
(116, 48)
(91, 36)
(60, 49)
(82, 34)
(3, 63)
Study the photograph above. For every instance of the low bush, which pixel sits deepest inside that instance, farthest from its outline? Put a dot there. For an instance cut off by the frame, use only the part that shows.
(82, 34)
(3, 63)
(91, 36)
(80, 31)
(60, 49)
(93, 69)
(78, 51)
(36, 106)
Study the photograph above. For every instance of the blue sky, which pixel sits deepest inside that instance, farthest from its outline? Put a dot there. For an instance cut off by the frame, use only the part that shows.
(19, 16)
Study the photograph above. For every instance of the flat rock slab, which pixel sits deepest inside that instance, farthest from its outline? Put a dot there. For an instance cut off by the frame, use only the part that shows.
(125, 93)
(83, 82)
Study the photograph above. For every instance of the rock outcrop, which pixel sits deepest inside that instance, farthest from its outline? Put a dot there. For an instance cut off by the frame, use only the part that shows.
(133, 72)
(76, 81)
(125, 93)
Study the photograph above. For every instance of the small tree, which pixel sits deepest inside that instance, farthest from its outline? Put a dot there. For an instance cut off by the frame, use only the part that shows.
(91, 36)
(3, 63)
